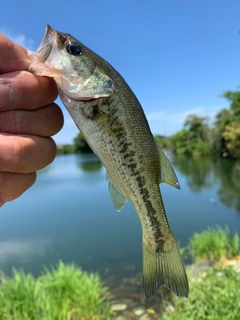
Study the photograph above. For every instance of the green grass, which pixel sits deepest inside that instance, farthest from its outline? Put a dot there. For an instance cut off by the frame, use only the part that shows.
(67, 293)
(213, 297)
(214, 244)
(62, 293)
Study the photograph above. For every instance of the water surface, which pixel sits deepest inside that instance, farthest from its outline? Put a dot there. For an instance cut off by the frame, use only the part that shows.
(68, 215)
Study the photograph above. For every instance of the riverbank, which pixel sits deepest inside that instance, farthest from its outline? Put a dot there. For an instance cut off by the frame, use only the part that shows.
(67, 292)
(214, 292)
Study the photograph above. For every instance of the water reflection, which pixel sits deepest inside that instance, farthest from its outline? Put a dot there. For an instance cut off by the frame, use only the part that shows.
(89, 163)
(202, 173)
(198, 172)
(228, 174)
(68, 215)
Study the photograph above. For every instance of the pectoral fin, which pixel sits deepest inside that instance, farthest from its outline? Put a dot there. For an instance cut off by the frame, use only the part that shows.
(167, 174)
(118, 198)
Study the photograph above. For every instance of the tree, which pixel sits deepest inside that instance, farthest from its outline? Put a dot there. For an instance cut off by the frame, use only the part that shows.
(80, 145)
(231, 135)
(65, 149)
(226, 130)
(234, 98)
(222, 119)
(194, 138)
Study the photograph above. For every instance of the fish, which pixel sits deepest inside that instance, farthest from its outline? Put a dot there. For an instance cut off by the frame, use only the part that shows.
(112, 121)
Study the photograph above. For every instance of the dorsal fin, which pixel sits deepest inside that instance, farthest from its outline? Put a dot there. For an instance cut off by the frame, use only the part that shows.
(117, 197)
(167, 173)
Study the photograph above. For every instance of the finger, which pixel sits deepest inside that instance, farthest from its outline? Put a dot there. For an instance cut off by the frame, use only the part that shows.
(25, 154)
(12, 185)
(44, 122)
(23, 90)
(12, 56)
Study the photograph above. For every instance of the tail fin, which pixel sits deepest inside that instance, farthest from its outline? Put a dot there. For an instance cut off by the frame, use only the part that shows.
(164, 269)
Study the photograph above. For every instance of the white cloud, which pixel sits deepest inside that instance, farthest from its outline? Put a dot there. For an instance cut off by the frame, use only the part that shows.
(20, 39)
(177, 117)
(166, 122)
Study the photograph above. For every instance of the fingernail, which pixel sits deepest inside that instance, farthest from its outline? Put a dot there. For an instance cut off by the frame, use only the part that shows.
(31, 54)
(6, 95)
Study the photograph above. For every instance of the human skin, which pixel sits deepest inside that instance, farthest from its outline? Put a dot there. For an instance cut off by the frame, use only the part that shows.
(28, 119)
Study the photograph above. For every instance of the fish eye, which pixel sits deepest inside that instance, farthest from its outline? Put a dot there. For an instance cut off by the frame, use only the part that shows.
(74, 48)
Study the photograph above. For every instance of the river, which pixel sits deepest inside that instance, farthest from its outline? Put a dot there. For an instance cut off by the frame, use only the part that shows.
(68, 215)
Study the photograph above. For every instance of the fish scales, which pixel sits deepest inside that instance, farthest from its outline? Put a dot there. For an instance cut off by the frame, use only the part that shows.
(113, 123)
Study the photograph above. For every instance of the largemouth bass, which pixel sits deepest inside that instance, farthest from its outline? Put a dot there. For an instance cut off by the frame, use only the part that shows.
(111, 119)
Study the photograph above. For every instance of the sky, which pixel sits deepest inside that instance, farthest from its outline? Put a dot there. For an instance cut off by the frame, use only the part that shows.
(177, 56)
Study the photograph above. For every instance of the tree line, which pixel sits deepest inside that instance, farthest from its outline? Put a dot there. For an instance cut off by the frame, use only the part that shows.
(79, 146)
(197, 137)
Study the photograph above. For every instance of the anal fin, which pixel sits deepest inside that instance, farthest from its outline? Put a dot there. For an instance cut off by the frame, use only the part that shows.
(117, 197)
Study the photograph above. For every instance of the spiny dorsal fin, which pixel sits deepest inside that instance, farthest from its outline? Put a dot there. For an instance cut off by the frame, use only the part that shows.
(167, 174)
(118, 198)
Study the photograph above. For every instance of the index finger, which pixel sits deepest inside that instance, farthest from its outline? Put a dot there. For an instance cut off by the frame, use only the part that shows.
(19, 89)
(23, 90)
(12, 56)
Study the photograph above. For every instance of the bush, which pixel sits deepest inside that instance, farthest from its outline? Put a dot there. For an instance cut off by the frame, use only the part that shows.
(64, 292)
(214, 244)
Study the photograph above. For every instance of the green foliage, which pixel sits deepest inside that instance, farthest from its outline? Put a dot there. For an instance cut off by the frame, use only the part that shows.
(197, 138)
(64, 292)
(180, 142)
(163, 142)
(213, 297)
(231, 135)
(65, 149)
(234, 98)
(193, 139)
(214, 244)
(197, 125)
(226, 133)
(222, 119)
(18, 298)
(80, 145)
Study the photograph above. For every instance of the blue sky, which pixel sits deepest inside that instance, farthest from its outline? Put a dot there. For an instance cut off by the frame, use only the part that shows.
(177, 56)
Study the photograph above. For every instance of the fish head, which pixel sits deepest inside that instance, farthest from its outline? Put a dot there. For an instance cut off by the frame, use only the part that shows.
(72, 65)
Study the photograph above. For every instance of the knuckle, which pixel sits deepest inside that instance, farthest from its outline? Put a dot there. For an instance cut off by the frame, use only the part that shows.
(16, 154)
(12, 153)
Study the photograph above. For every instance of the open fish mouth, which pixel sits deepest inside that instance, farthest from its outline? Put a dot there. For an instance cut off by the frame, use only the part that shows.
(46, 47)
(46, 44)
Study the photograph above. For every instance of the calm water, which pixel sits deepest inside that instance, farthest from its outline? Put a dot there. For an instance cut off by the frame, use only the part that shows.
(68, 215)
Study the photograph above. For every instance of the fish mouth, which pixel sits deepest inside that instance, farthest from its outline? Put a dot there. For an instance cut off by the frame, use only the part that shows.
(44, 50)
(46, 44)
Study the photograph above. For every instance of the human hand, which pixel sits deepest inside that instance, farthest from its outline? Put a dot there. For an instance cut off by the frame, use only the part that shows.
(28, 117)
